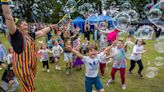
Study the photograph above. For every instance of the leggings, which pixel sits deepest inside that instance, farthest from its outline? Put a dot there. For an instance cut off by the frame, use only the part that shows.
(25, 72)
(122, 73)
(102, 68)
(133, 63)
(45, 63)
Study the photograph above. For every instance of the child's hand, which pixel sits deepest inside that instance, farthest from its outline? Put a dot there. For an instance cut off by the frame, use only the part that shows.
(69, 47)
(11, 81)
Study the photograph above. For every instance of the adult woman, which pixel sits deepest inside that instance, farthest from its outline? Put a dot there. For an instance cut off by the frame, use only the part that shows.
(23, 43)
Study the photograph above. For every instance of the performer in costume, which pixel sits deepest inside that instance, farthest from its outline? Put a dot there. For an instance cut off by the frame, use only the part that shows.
(23, 43)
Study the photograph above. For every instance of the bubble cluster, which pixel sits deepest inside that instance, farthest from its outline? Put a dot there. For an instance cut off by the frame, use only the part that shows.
(144, 32)
(102, 26)
(151, 72)
(159, 61)
(70, 6)
(121, 21)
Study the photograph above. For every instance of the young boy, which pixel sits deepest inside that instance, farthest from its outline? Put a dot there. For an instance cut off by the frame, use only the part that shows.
(92, 66)
(119, 63)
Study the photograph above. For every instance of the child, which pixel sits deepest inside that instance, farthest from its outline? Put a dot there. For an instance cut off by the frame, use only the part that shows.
(128, 47)
(96, 34)
(8, 77)
(84, 46)
(3, 55)
(92, 65)
(68, 57)
(76, 45)
(119, 63)
(57, 50)
(44, 56)
(138, 49)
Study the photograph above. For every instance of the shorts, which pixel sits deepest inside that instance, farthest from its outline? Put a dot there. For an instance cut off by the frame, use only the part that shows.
(68, 57)
(96, 81)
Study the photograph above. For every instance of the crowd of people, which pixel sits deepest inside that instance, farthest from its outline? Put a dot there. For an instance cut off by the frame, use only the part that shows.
(20, 63)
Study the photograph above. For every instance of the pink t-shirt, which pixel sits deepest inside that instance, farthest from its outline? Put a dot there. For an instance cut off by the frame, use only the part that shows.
(112, 36)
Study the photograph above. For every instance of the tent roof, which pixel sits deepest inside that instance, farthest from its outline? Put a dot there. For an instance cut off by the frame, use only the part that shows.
(78, 19)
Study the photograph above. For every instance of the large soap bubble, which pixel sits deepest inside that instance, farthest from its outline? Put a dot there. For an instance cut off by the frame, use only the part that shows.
(151, 72)
(159, 61)
(133, 15)
(126, 6)
(144, 32)
(70, 6)
(156, 14)
(121, 21)
(159, 44)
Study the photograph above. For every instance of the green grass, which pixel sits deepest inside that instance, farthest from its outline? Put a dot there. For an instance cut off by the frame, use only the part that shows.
(58, 81)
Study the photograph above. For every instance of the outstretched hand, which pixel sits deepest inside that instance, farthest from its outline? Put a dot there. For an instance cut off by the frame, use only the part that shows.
(69, 47)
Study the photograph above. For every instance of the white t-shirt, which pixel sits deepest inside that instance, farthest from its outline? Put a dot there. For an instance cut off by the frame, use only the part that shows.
(57, 50)
(136, 52)
(44, 54)
(92, 65)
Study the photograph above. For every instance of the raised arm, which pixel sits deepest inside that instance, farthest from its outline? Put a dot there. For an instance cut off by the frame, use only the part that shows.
(44, 31)
(78, 54)
(109, 47)
(8, 17)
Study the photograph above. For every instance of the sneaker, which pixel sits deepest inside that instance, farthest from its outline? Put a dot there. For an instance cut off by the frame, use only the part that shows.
(59, 68)
(123, 86)
(1, 68)
(109, 82)
(56, 67)
(140, 75)
(48, 70)
(129, 72)
(67, 71)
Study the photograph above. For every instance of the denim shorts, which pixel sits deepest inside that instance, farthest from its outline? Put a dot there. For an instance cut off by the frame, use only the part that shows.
(96, 81)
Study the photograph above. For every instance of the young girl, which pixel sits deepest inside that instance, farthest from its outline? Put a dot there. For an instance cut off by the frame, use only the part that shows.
(68, 57)
(119, 63)
(92, 65)
(44, 56)
(76, 45)
(3, 55)
(57, 50)
(138, 50)
(84, 46)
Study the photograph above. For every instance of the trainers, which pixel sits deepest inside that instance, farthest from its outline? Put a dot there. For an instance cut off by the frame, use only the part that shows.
(67, 71)
(129, 72)
(109, 82)
(140, 75)
(123, 86)
(56, 67)
(48, 70)
(59, 68)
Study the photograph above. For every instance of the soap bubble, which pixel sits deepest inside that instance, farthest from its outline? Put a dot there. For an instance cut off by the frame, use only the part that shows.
(85, 9)
(151, 72)
(133, 15)
(70, 6)
(126, 6)
(159, 61)
(156, 14)
(159, 47)
(121, 21)
(144, 32)
(129, 48)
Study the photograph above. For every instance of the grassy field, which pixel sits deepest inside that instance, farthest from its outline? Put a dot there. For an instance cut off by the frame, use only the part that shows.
(58, 81)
